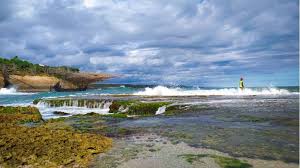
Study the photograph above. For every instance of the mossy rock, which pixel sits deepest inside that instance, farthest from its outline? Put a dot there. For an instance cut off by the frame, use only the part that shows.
(53, 143)
(223, 162)
(145, 109)
(10, 114)
(36, 101)
(61, 102)
(116, 115)
(226, 162)
(117, 104)
(175, 109)
(135, 107)
(47, 147)
(113, 115)
(52, 120)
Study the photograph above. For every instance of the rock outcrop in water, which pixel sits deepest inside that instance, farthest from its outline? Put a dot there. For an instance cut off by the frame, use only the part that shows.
(109, 105)
(35, 77)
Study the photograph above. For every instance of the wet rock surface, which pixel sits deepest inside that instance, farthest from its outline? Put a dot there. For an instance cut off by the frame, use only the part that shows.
(210, 131)
(151, 150)
(252, 128)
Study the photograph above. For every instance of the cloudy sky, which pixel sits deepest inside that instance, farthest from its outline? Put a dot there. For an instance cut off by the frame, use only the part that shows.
(190, 42)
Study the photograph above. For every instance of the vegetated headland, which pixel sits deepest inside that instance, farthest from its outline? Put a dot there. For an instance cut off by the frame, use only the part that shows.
(27, 76)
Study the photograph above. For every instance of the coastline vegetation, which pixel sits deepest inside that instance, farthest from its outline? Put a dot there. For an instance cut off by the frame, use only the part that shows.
(18, 66)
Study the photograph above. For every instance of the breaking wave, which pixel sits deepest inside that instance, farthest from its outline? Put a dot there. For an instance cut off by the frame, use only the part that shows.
(12, 91)
(165, 91)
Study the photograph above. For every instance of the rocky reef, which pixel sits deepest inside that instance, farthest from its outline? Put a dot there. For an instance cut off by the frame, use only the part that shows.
(136, 107)
(131, 107)
(27, 141)
(186, 135)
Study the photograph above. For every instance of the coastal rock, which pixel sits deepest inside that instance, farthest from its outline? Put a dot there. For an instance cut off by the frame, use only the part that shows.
(39, 83)
(50, 143)
(63, 85)
(1, 81)
(33, 83)
(76, 81)
(26, 76)
(60, 113)
(19, 114)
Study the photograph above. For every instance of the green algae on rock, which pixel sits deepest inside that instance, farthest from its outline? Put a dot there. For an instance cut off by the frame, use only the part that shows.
(19, 114)
(223, 162)
(120, 105)
(93, 123)
(116, 115)
(49, 144)
(146, 108)
(46, 147)
(131, 107)
(254, 146)
(226, 162)
(134, 107)
(128, 107)
(36, 101)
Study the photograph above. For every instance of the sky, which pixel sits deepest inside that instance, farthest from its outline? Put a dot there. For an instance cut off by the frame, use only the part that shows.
(177, 42)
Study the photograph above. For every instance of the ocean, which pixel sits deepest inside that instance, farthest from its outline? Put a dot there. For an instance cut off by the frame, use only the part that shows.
(13, 98)
(253, 123)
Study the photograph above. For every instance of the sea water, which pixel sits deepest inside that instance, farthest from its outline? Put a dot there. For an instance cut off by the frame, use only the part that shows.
(10, 96)
(222, 115)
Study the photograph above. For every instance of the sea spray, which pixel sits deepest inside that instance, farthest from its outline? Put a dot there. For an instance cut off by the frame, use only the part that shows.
(12, 91)
(160, 110)
(165, 91)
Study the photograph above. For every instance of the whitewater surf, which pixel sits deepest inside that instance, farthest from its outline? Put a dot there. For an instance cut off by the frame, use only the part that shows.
(165, 91)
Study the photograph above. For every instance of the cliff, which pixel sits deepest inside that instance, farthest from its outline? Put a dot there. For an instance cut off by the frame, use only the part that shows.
(26, 76)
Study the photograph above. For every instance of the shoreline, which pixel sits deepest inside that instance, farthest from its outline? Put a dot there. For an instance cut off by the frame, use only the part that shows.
(201, 130)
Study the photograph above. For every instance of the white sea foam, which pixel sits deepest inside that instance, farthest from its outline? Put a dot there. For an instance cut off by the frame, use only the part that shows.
(165, 91)
(47, 111)
(18, 104)
(12, 91)
(161, 110)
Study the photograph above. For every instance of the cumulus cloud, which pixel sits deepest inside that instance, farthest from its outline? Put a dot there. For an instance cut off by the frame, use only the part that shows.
(158, 41)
